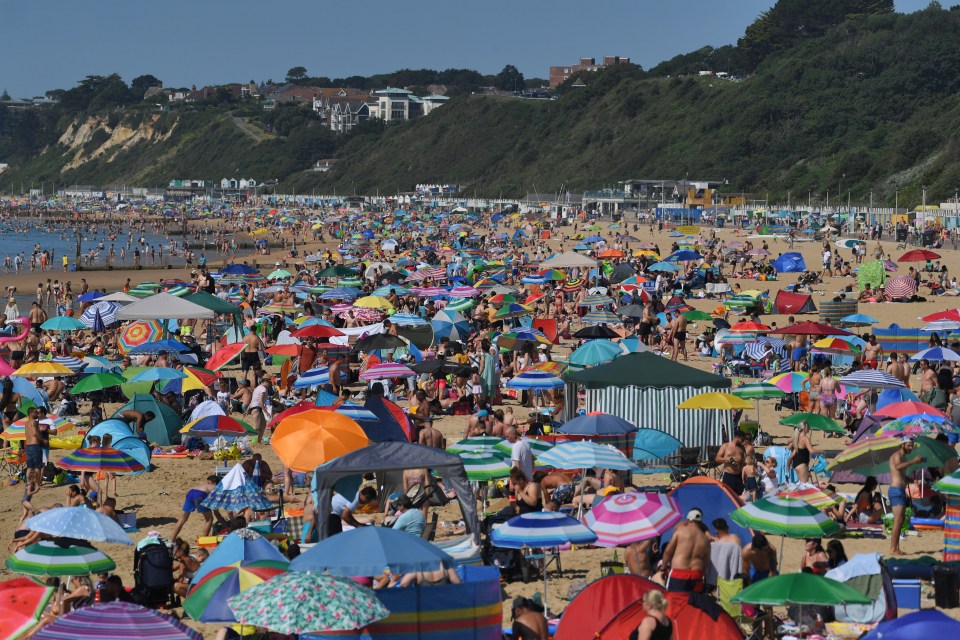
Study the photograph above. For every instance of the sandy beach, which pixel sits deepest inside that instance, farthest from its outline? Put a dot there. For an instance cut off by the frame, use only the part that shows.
(157, 497)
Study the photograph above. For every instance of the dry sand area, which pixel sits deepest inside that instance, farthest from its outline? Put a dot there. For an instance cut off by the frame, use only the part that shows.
(157, 497)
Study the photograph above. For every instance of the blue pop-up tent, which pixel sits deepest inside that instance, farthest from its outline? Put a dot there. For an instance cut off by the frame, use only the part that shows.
(790, 262)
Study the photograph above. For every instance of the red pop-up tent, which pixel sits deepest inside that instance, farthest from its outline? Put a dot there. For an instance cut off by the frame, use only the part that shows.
(790, 303)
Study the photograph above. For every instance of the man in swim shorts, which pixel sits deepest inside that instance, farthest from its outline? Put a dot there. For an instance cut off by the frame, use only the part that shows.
(687, 554)
(193, 502)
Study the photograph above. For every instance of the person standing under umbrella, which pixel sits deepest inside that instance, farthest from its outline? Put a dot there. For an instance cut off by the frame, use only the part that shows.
(899, 463)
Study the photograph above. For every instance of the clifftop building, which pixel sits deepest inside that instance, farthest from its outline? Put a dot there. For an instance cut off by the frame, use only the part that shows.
(559, 74)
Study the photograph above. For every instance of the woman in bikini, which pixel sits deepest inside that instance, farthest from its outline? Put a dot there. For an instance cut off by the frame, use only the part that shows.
(801, 452)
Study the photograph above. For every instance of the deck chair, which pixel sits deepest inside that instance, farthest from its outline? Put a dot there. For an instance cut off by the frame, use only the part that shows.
(781, 455)
(13, 463)
(548, 327)
(709, 463)
(685, 464)
(726, 589)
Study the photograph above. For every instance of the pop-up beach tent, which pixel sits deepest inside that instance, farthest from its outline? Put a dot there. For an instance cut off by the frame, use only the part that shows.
(791, 303)
(645, 389)
(790, 262)
(388, 460)
(164, 429)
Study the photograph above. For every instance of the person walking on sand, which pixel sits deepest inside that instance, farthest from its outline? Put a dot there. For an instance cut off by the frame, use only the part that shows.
(899, 463)
(260, 408)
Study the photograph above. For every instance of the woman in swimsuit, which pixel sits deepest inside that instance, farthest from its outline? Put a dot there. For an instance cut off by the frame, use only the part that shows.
(527, 493)
(656, 626)
(801, 450)
(441, 576)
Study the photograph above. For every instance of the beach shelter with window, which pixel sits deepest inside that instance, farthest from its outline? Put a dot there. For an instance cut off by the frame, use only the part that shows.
(164, 429)
(792, 303)
(645, 389)
(790, 262)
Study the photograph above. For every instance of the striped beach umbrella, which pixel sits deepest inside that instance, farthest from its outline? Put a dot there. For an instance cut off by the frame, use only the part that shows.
(601, 317)
(790, 382)
(758, 391)
(70, 362)
(428, 292)
(465, 291)
(207, 599)
(900, 287)
(586, 455)
(210, 426)
(572, 285)
(481, 467)
(535, 380)
(450, 324)
(538, 447)
(387, 370)
(788, 517)
(116, 621)
(809, 493)
(503, 298)
(872, 456)
(630, 517)
(541, 529)
(519, 339)
(550, 366)
(596, 300)
(871, 379)
(949, 485)
(279, 308)
(47, 558)
(353, 411)
(513, 310)
(919, 424)
(478, 444)
(936, 354)
(313, 378)
(460, 304)
(105, 459)
(137, 333)
(835, 346)
(57, 425)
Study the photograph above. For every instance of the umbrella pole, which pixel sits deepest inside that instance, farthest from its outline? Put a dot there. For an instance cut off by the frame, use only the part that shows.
(780, 561)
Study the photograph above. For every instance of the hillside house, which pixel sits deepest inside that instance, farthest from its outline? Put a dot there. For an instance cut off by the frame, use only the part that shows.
(559, 74)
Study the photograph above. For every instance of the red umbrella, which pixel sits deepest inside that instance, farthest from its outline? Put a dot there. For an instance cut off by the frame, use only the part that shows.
(908, 408)
(749, 326)
(810, 329)
(224, 356)
(289, 350)
(900, 287)
(300, 407)
(919, 255)
(950, 315)
(205, 376)
(317, 331)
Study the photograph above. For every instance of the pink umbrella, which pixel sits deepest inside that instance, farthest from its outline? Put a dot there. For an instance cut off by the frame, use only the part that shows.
(624, 518)
(386, 370)
(464, 292)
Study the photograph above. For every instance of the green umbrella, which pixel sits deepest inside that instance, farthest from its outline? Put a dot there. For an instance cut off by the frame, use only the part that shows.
(47, 558)
(536, 446)
(484, 466)
(697, 315)
(130, 389)
(308, 602)
(336, 271)
(788, 517)
(950, 485)
(871, 457)
(477, 444)
(98, 381)
(800, 589)
(815, 421)
(279, 274)
(758, 391)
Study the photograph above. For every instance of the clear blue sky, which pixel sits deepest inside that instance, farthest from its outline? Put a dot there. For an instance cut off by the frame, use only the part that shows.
(49, 44)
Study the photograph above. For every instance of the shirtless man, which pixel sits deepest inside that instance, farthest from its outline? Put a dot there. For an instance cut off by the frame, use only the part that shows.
(242, 395)
(431, 437)
(557, 487)
(334, 373)
(37, 317)
(928, 378)
(34, 444)
(686, 556)
(136, 418)
(899, 463)
(872, 353)
(798, 353)
(723, 533)
(732, 455)
(679, 331)
(894, 368)
(250, 356)
(828, 393)
(759, 559)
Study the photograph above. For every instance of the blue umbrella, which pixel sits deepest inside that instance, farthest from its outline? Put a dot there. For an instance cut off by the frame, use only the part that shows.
(663, 266)
(452, 326)
(597, 424)
(70, 362)
(889, 396)
(858, 319)
(62, 323)
(936, 354)
(98, 326)
(592, 239)
(653, 444)
(408, 319)
(155, 347)
(930, 623)
(27, 390)
(245, 545)
(238, 269)
(313, 378)
(683, 255)
(535, 380)
(107, 311)
(586, 455)
(155, 374)
(80, 523)
(89, 296)
(368, 551)
(595, 352)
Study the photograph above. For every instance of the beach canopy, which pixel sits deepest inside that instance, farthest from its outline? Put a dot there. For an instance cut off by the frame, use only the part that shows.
(646, 370)
(388, 460)
(165, 306)
(929, 623)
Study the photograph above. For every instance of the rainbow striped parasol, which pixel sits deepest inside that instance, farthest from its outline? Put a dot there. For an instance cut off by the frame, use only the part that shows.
(630, 517)
(137, 333)
(106, 459)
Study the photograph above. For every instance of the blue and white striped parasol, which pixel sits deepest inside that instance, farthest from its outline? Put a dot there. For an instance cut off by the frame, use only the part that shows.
(108, 313)
(313, 378)
(541, 529)
(70, 362)
(535, 380)
(235, 492)
(936, 354)
(450, 325)
(586, 455)
(871, 379)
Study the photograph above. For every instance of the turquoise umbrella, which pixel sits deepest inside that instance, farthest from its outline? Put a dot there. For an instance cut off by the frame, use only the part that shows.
(595, 352)
(63, 323)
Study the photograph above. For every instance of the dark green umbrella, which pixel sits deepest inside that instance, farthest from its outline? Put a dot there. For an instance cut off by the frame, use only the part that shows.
(815, 421)
(800, 589)
(337, 271)
(97, 382)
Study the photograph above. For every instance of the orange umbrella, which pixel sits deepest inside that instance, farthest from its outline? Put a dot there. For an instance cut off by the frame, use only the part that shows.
(310, 438)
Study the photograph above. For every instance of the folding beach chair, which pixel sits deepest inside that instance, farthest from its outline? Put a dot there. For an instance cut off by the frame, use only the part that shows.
(13, 463)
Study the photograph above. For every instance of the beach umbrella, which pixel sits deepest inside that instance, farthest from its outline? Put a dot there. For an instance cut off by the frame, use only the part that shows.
(353, 411)
(236, 491)
(929, 623)
(949, 485)
(597, 424)
(600, 317)
(788, 517)
(715, 400)
(941, 325)
(80, 523)
(464, 291)
(225, 356)
(96, 459)
(537, 446)
(155, 374)
(809, 493)
(871, 379)
(810, 329)
(368, 551)
(653, 444)
(800, 589)
(22, 603)
(790, 382)
(63, 323)
(378, 341)
(460, 304)
(210, 426)
(917, 424)
(835, 346)
(98, 382)
(207, 599)
(159, 346)
(596, 331)
(106, 311)
(450, 324)
(535, 380)
(116, 621)
(624, 518)
(871, 457)
(936, 354)
(697, 315)
(513, 310)
(663, 266)
(279, 274)
(900, 287)
(279, 308)
(308, 439)
(408, 320)
(815, 421)
(238, 269)
(595, 352)
(137, 333)
(386, 371)
(519, 339)
(586, 455)
(630, 311)
(749, 327)
(73, 363)
(48, 558)
(323, 603)
(42, 369)
(889, 397)
(89, 296)
(373, 302)
(478, 444)
(908, 408)
(481, 467)
(683, 255)
(858, 320)
(240, 546)
(336, 271)
(503, 298)
(758, 391)
(919, 255)
(99, 364)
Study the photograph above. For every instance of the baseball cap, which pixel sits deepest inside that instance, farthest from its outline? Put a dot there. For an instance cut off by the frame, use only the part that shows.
(483, 413)
(906, 440)
(695, 515)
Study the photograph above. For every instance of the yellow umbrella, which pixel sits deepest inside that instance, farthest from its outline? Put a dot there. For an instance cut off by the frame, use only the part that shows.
(645, 252)
(37, 369)
(715, 400)
(374, 302)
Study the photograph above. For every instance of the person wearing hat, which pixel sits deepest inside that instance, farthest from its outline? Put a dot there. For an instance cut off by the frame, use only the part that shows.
(899, 463)
(687, 554)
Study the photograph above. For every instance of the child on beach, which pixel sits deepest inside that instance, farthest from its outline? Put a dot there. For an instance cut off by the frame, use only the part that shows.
(29, 491)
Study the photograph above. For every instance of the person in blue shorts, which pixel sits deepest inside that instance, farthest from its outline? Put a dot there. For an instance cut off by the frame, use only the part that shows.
(193, 502)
